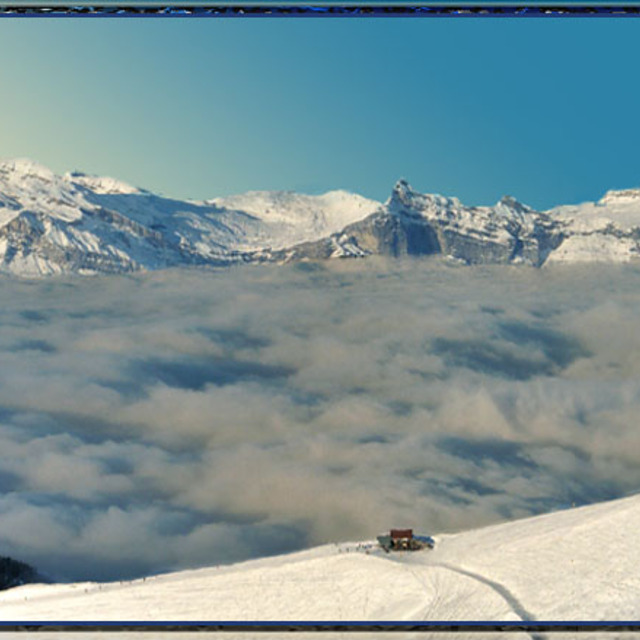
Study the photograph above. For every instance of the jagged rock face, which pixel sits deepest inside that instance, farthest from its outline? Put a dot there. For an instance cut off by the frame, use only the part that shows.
(83, 224)
(387, 235)
(379, 234)
(508, 232)
(413, 224)
(14, 573)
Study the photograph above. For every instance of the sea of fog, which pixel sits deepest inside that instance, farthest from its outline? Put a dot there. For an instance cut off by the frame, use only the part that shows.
(187, 418)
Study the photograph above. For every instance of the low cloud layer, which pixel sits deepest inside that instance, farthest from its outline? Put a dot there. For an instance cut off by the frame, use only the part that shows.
(185, 418)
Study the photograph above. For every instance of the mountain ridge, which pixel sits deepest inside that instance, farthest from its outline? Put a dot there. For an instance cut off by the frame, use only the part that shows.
(82, 224)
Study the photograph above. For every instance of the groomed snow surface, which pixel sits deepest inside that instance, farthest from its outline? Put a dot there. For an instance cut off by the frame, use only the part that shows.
(577, 564)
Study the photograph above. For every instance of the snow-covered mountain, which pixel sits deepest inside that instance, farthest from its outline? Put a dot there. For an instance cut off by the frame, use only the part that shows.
(417, 224)
(86, 224)
(577, 564)
(603, 231)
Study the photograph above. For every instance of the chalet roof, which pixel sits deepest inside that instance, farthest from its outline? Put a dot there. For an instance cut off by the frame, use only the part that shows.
(401, 533)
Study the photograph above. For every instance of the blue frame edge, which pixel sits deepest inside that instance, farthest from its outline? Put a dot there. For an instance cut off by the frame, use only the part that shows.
(319, 10)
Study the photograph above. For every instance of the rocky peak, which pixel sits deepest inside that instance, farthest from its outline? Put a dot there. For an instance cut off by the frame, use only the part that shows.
(623, 196)
(509, 202)
(402, 191)
(21, 168)
(405, 200)
(100, 184)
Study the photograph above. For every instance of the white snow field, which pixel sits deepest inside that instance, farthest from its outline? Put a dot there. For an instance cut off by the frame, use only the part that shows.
(577, 564)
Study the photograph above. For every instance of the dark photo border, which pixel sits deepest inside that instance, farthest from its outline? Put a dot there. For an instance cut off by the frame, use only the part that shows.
(320, 9)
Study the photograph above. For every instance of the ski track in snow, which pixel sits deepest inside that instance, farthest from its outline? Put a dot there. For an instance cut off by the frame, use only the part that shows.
(513, 602)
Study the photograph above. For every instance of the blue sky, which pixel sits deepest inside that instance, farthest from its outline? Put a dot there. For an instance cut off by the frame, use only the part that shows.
(542, 109)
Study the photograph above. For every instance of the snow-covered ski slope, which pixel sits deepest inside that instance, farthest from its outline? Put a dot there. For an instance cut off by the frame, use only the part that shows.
(577, 564)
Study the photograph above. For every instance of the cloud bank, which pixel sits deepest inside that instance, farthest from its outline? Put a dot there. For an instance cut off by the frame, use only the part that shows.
(188, 418)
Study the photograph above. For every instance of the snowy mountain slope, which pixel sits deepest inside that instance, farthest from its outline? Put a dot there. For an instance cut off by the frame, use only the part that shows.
(49, 224)
(249, 222)
(603, 231)
(85, 224)
(294, 218)
(77, 223)
(577, 564)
